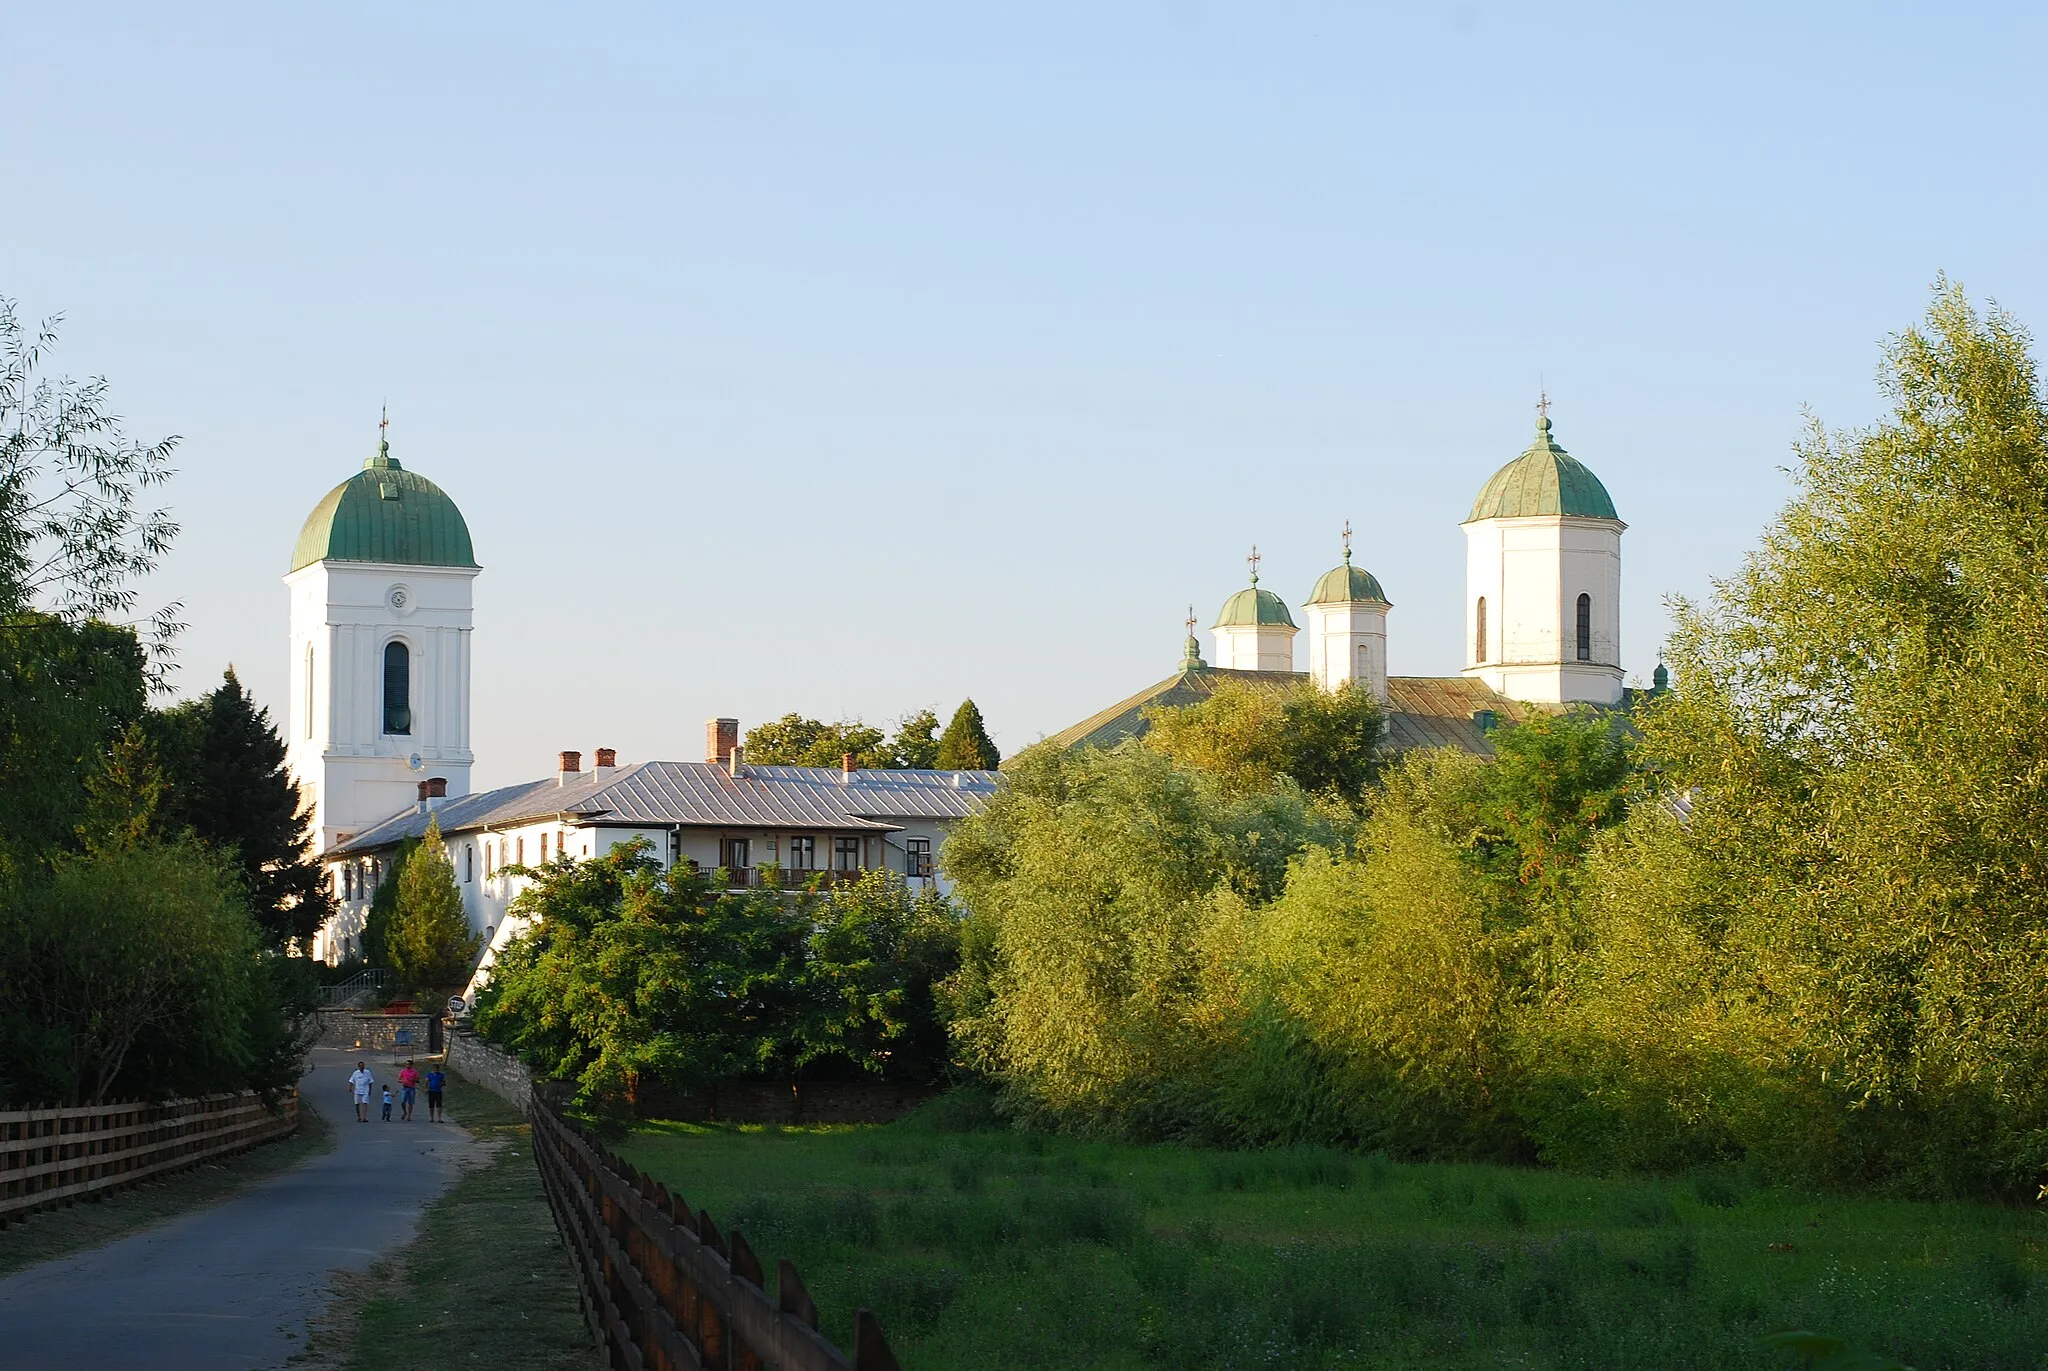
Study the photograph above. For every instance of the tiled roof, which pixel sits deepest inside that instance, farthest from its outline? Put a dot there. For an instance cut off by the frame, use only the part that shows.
(1422, 711)
(704, 795)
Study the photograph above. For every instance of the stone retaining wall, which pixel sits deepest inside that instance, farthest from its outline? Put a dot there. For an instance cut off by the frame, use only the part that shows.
(498, 1072)
(355, 1031)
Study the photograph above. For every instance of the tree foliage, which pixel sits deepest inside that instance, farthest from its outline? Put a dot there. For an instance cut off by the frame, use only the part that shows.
(428, 940)
(965, 745)
(626, 972)
(794, 740)
(1248, 736)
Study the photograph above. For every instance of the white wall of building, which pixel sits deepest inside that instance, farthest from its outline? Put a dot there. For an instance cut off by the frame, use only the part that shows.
(1530, 573)
(342, 616)
(1347, 642)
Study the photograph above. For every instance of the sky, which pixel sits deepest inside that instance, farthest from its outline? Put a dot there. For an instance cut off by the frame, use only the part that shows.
(850, 359)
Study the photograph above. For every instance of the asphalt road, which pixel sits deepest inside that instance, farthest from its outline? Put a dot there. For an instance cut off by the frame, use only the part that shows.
(231, 1287)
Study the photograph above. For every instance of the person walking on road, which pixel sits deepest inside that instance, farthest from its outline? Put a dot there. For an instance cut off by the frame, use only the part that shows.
(408, 1081)
(437, 1080)
(359, 1082)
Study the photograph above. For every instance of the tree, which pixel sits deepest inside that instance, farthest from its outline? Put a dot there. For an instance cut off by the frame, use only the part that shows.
(67, 690)
(430, 944)
(965, 745)
(915, 746)
(377, 924)
(75, 535)
(228, 784)
(794, 740)
(1248, 736)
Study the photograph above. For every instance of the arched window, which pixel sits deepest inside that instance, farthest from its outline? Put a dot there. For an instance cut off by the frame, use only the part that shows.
(1479, 631)
(397, 688)
(1585, 628)
(468, 862)
(309, 690)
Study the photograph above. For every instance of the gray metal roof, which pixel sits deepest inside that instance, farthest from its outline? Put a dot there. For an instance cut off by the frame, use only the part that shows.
(705, 795)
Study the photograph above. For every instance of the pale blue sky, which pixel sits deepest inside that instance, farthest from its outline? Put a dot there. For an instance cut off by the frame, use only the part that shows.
(850, 358)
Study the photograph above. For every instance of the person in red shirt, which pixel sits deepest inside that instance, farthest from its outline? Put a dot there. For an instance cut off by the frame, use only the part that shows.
(408, 1082)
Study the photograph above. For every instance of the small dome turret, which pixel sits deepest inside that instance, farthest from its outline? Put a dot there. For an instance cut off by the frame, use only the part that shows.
(1544, 481)
(385, 513)
(1347, 584)
(1252, 606)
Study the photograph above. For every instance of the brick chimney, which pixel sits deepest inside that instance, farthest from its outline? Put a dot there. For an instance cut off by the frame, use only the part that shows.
(436, 788)
(721, 736)
(571, 767)
(607, 762)
(846, 768)
(735, 763)
(423, 797)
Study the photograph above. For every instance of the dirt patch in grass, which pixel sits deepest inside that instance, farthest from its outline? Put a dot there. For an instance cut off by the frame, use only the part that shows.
(97, 1221)
(487, 1283)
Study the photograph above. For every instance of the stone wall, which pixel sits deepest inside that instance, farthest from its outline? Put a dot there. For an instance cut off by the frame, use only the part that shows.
(356, 1031)
(481, 1064)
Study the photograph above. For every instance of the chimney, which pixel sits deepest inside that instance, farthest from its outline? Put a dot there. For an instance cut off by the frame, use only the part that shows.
(845, 768)
(721, 736)
(733, 759)
(436, 788)
(607, 762)
(572, 764)
(423, 797)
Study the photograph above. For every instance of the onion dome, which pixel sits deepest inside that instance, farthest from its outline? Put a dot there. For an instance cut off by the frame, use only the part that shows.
(385, 513)
(1347, 584)
(1252, 607)
(1545, 480)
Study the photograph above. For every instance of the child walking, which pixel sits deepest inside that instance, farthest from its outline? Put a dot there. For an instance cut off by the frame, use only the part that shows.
(387, 1104)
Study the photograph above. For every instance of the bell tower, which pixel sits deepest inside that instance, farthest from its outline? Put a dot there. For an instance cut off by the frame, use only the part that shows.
(380, 586)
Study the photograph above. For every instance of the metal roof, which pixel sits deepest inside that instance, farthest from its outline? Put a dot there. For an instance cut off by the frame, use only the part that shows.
(385, 513)
(1544, 480)
(705, 795)
(1422, 711)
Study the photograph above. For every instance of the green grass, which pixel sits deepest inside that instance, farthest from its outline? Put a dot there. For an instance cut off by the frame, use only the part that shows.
(487, 1283)
(95, 1221)
(1005, 1249)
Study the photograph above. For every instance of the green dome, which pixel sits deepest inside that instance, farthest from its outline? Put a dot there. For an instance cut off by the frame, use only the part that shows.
(385, 513)
(1545, 480)
(1346, 584)
(1252, 606)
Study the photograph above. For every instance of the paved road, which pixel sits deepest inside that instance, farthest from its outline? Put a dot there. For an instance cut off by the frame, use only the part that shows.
(230, 1287)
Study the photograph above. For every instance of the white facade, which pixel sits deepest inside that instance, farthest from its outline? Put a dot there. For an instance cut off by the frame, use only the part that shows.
(1255, 647)
(359, 764)
(1347, 641)
(1543, 608)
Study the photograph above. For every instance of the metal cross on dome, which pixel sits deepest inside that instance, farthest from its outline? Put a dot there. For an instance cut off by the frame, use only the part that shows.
(1347, 541)
(1254, 562)
(1191, 621)
(1543, 404)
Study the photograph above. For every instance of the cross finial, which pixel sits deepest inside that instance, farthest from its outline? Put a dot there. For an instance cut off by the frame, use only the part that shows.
(1191, 621)
(384, 422)
(1542, 404)
(1253, 561)
(1347, 542)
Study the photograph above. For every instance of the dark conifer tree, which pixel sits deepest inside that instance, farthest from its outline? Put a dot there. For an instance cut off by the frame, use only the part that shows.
(965, 745)
(224, 762)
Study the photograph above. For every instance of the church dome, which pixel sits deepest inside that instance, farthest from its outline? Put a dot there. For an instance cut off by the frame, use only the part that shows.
(385, 513)
(1251, 607)
(1545, 480)
(1345, 585)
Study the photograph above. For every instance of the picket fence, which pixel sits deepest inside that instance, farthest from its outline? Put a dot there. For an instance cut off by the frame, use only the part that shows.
(664, 1289)
(50, 1156)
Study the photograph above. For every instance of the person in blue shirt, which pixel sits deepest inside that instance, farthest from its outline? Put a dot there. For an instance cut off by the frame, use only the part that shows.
(436, 1081)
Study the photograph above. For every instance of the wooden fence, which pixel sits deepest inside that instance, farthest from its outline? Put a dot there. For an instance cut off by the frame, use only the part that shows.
(665, 1290)
(49, 1156)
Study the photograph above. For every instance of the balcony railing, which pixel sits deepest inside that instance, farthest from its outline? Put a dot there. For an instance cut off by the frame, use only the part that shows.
(787, 878)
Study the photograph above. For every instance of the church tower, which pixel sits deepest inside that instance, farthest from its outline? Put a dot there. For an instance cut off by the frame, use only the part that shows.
(1543, 580)
(380, 587)
(1347, 628)
(1254, 631)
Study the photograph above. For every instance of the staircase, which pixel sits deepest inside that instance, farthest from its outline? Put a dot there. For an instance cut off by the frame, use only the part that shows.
(354, 991)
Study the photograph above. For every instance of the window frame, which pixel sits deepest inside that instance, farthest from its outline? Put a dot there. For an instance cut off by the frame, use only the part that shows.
(404, 649)
(1583, 626)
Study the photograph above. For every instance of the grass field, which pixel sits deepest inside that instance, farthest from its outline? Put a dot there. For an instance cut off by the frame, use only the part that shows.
(992, 1248)
(96, 1221)
(487, 1283)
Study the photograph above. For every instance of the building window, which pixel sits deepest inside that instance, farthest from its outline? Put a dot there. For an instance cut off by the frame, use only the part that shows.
(732, 854)
(543, 849)
(1585, 628)
(397, 688)
(468, 863)
(519, 850)
(803, 853)
(846, 854)
(309, 690)
(917, 856)
(1479, 631)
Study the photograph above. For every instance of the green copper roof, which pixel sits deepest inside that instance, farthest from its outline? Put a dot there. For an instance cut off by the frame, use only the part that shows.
(385, 513)
(1544, 480)
(1345, 584)
(1252, 606)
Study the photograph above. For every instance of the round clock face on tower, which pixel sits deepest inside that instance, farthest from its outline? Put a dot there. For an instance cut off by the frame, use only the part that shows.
(399, 597)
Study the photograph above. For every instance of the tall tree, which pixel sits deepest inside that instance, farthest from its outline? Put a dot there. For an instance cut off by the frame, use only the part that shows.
(430, 944)
(965, 745)
(794, 740)
(228, 785)
(915, 745)
(67, 690)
